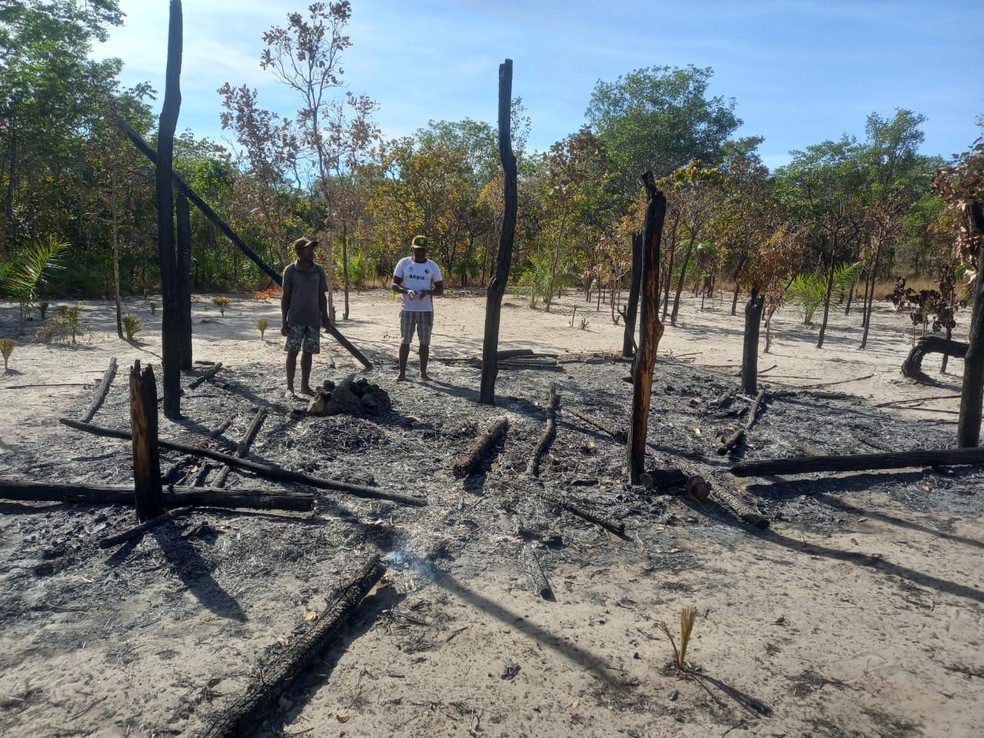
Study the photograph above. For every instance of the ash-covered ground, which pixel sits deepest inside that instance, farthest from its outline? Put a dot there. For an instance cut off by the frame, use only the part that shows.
(159, 635)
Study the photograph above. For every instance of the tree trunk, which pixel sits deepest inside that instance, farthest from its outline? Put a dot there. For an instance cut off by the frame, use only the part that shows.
(830, 290)
(749, 352)
(170, 318)
(651, 330)
(912, 366)
(679, 287)
(969, 423)
(632, 306)
(183, 281)
(497, 285)
(345, 272)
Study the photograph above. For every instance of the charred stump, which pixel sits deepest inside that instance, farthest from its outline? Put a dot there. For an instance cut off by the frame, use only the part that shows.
(149, 496)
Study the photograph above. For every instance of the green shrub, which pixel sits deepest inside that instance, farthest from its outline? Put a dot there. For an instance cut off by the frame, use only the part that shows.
(131, 326)
(66, 324)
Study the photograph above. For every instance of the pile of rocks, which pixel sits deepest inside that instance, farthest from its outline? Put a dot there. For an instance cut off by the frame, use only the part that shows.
(351, 396)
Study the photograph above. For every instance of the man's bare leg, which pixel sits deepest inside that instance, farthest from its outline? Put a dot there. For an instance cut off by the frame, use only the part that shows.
(306, 361)
(424, 355)
(404, 355)
(291, 369)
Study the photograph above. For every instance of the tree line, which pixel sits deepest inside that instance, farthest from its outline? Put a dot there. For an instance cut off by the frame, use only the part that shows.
(845, 211)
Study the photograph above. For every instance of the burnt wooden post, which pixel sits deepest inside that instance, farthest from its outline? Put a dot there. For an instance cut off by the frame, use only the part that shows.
(650, 329)
(182, 282)
(749, 348)
(497, 285)
(969, 423)
(170, 339)
(146, 453)
(632, 306)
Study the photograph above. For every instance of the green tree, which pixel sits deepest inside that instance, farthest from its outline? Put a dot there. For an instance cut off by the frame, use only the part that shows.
(659, 119)
(825, 188)
(50, 92)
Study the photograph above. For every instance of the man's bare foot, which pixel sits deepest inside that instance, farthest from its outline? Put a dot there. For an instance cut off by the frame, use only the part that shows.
(307, 391)
(402, 378)
(424, 377)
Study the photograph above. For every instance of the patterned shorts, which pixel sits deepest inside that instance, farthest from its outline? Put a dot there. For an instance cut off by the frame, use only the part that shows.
(423, 322)
(305, 338)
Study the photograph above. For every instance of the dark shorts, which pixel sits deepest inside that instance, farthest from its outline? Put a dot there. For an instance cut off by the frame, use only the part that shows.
(306, 338)
(422, 322)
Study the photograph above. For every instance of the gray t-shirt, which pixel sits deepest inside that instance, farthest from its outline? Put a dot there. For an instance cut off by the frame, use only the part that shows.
(305, 287)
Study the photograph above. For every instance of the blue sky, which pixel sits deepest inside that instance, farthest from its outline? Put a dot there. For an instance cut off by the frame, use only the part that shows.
(800, 71)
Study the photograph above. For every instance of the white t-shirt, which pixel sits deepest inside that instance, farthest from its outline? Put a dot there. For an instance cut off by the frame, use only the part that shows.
(417, 277)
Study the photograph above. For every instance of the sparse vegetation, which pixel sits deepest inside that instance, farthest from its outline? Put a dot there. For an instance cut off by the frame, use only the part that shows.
(687, 617)
(65, 325)
(221, 302)
(131, 326)
(7, 348)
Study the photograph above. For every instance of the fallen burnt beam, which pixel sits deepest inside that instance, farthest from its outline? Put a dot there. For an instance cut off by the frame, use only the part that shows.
(538, 580)
(861, 462)
(618, 435)
(738, 435)
(245, 713)
(264, 470)
(737, 506)
(138, 530)
(549, 433)
(105, 494)
(481, 448)
(206, 376)
(101, 393)
(243, 448)
(599, 520)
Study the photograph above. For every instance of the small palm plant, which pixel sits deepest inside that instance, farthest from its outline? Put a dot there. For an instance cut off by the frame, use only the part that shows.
(131, 326)
(687, 617)
(221, 302)
(7, 348)
(262, 324)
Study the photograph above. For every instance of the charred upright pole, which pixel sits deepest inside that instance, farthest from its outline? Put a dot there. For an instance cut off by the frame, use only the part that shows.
(170, 318)
(497, 286)
(969, 423)
(650, 329)
(148, 494)
(749, 350)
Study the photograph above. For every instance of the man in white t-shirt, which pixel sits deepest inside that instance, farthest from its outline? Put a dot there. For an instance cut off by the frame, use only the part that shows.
(417, 279)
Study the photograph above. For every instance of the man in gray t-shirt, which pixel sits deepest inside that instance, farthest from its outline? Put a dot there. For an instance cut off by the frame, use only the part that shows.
(304, 308)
